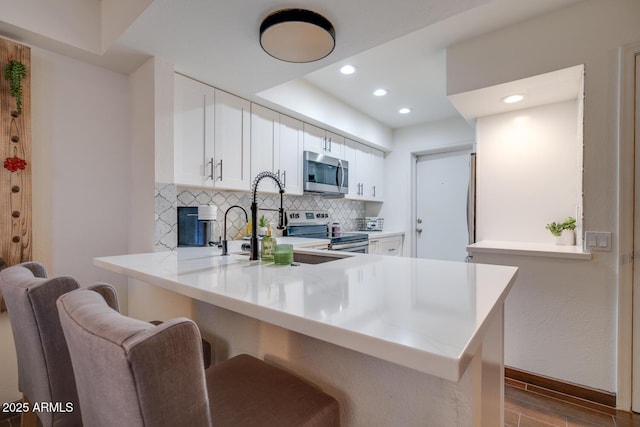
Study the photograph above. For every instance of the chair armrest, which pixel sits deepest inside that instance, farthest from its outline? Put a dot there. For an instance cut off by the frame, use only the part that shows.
(108, 292)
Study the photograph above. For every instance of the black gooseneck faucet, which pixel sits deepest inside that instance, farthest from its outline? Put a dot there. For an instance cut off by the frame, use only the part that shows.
(254, 210)
(225, 249)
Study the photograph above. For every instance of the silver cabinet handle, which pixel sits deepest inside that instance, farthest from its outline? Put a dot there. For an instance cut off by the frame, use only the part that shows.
(220, 178)
(284, 179)
(211, 173)
(374, 191)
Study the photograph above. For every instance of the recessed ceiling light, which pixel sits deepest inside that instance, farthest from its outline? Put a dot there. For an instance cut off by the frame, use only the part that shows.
(380, 92)
(512, 99)
(348, 69)
(404, 110)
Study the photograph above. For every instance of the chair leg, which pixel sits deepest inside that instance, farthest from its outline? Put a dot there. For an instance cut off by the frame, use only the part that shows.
(28, 419)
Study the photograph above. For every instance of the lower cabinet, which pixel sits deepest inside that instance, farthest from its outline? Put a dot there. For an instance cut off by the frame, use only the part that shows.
(391, 245)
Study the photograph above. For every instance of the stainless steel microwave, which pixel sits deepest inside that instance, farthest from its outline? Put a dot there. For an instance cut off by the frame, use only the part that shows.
(325, 174)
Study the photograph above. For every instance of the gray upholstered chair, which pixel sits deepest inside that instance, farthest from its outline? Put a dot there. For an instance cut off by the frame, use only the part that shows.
(45, 373)
(133, 373)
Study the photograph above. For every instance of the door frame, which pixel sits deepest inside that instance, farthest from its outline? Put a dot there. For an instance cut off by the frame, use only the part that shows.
(467, 145)
(628, 220)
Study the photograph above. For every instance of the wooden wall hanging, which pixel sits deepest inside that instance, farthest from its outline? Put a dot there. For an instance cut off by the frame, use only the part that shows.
(15, 155)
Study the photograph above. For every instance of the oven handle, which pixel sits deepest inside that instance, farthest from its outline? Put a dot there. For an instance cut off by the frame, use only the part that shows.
(341, 246)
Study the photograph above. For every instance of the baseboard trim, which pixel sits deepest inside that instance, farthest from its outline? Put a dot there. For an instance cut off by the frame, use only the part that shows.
(598, 400)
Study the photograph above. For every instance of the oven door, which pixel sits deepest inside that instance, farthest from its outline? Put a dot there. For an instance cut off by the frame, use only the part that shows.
(358, 247)
(324, 174)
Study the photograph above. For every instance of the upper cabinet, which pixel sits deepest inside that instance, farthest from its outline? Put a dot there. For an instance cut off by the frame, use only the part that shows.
(211, 137)
(323, 142)
(366, 171)
(289, 154)
(232, 153)
(276, 146)
(222, 141)
(194, 105)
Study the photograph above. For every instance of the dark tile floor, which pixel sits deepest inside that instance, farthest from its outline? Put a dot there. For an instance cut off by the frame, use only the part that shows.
(11, 422)
(527, 409)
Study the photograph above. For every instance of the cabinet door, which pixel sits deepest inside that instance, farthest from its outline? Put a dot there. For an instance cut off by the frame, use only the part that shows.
(265, 131)
(315, 139)
(374, 246)
(289, 154)
(193, 131)
(377, 175)
(350, 148)
(390, 246)
(363, 164)
(232, 142)
(334, 145)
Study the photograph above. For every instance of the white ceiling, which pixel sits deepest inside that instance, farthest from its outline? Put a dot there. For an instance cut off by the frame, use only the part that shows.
(395, 44)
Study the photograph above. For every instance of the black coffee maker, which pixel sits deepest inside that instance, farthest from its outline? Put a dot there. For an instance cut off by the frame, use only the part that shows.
(194, 232)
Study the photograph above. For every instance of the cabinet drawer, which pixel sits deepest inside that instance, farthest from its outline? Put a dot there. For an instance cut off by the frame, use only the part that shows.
(386, 246)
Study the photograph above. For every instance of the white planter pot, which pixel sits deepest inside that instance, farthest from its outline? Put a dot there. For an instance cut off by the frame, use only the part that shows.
(567, 238)
(262, 231)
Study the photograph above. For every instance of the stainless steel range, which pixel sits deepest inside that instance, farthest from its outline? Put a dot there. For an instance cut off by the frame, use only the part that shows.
(317, 224)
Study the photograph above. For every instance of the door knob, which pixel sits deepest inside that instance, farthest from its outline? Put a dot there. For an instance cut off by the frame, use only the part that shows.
(419, 221)
(419, 230)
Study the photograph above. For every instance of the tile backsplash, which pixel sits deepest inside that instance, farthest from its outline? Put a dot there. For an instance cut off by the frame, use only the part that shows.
(168, 197)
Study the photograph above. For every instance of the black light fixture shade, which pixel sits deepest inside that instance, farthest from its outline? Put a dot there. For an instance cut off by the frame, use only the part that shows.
(297, 35)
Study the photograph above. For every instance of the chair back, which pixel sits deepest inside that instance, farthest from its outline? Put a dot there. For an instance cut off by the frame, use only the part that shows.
(44, 368)
(130, 372)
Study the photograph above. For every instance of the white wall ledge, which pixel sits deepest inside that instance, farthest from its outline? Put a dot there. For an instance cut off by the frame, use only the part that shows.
(529, 249)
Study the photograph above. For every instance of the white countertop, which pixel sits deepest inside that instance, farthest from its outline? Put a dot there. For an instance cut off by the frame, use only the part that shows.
(384, 233)
(424, 314)
(529, 249)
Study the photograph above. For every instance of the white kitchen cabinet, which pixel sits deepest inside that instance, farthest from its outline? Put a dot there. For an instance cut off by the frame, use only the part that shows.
(366, 171)
(211, 137)
(194, 105)
(376, 175)
(322, 141)
(388, 245)
(232, 141)
(276, 146)
(265, 131)
(289, 149)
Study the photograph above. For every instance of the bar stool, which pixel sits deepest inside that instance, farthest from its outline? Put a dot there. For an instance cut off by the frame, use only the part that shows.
(132, 373)
(45, 373)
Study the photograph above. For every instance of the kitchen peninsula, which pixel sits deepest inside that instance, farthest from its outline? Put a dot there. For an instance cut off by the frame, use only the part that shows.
(398, 341)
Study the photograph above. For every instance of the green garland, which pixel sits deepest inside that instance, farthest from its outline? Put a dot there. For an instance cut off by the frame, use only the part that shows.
(15, 72)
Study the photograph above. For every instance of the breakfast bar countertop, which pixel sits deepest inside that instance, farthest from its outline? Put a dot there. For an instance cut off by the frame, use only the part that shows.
(423, 314)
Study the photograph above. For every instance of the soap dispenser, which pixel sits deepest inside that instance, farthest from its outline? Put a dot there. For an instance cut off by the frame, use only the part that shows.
(268, 245)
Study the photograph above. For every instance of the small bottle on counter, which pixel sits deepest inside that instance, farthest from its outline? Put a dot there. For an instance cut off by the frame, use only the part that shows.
(268, 245)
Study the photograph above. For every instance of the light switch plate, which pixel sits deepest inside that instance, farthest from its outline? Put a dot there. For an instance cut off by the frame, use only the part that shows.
(597, 240)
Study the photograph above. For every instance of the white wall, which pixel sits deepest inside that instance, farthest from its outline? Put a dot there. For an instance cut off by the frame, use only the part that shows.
(527, 172)
(561, 316)
(398, 166)
(80, 128)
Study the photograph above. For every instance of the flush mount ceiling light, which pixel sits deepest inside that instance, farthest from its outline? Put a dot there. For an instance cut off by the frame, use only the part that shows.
(404, 110)
(512, 99)
(380, 92)
(297, 35)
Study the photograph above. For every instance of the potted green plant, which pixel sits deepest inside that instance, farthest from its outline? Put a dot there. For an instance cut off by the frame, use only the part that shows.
(563, 232)
(262, 225)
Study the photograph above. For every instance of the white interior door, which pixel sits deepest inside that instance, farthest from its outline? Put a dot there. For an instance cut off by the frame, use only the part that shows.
(442, 181)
